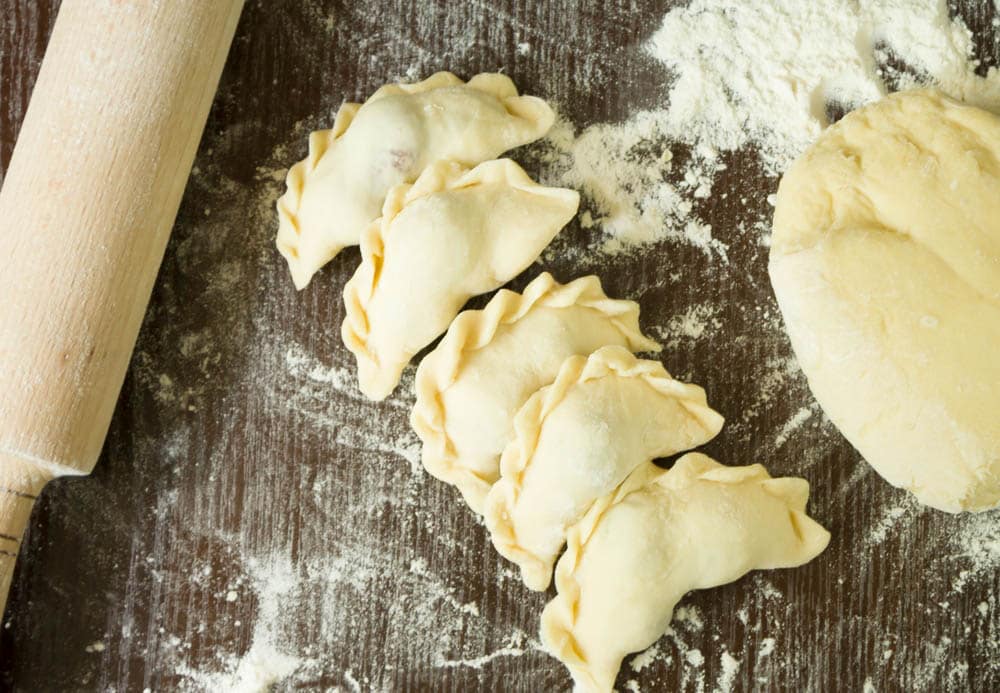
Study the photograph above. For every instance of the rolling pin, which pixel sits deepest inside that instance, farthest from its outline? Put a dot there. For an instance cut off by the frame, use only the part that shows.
(86, 208)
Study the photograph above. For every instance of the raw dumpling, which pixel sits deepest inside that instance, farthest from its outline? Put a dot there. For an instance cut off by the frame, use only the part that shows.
(338, 190)
(490, 361)
(577, 439)
(885, 259)
(661, 534)
(453, 234)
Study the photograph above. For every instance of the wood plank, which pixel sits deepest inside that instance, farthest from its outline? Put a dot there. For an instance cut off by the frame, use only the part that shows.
(235, 453)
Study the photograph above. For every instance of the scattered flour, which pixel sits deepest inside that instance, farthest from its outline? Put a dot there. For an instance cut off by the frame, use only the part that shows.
(628, 173)
(763, 73)
(778, 372)
(301, 364)
(697, 321)
(689, 617)
(760, 77)
(793, 424)
(766, 647)
(765, 588)
(694, 657)
(316, 392)
(730, 667)
(294, 608)
(515, 648)
(267, 661)
(977, 544)
(644, 659)
(888, 521)
(941, 665)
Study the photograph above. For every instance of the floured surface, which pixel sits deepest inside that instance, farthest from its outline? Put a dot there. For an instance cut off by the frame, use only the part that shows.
(254, 520)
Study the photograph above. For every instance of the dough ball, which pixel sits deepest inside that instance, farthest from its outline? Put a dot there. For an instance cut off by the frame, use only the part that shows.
(885, 260)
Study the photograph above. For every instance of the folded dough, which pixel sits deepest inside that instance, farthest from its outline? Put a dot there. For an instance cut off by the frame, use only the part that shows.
(490, 361)
(577, 439)
(453, 234)
(338, 189)
(661, 534)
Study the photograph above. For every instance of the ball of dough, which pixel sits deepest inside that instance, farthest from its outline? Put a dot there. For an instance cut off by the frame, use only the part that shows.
(885, 259)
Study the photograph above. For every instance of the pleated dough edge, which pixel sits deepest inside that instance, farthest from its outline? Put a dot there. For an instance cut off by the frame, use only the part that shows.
(475, 329)
(320, 141)
(441, 176)
(288, 204)
(558, 617)
(530, 419)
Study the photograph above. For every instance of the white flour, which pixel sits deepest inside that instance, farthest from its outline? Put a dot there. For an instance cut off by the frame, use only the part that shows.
(730, 667)
(793, 424)
(698, 321)
(762, 73)
(267, 661)
(757, 75)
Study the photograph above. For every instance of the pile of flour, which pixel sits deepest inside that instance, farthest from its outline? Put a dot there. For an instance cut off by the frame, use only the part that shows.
(758, 75)
(763, 73)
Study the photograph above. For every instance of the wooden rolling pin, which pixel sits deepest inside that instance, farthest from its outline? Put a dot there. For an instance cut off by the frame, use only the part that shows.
(86, 208)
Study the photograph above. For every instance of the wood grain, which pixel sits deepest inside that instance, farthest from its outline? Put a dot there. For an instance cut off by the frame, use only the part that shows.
(222, 448)
(88, 201)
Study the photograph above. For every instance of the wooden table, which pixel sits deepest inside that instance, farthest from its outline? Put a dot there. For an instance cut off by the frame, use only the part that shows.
(247, 492)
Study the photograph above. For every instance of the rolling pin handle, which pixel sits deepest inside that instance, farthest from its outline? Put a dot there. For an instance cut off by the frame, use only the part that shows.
(20, 484)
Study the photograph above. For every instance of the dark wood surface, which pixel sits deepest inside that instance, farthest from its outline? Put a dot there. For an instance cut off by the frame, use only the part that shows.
(233, 445)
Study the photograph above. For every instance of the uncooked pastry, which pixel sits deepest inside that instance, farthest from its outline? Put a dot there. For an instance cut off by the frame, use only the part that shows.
(577, 439)
(338, 189)
(453, 234)
(639, 550)
(886, 263)
(490, 361)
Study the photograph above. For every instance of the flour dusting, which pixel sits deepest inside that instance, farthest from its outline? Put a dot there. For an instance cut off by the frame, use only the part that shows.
(764, 73)
(756, 81)
(760, 75)
(888, 521)
(268, 660)
(698, 321)
(793, 424)
(730, 668)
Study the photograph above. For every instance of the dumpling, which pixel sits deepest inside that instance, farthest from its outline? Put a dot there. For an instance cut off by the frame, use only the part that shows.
(339, 188)
(490, 361)
(577, 439)
(661, 534)
(453, 234)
